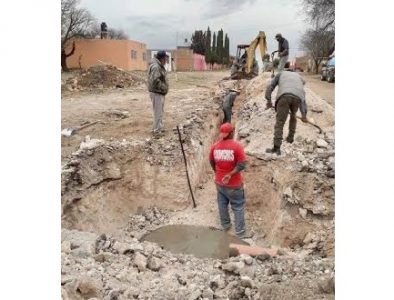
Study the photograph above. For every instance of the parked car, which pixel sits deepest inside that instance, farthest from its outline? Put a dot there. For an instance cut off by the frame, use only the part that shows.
(328, 70)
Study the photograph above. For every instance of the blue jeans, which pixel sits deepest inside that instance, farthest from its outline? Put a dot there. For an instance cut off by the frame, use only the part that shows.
(236, 197)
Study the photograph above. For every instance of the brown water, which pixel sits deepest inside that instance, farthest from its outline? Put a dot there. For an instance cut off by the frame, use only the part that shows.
(197, 240)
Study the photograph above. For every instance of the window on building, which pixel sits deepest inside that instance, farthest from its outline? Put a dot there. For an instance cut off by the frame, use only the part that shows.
(144, 56)
(133, 54)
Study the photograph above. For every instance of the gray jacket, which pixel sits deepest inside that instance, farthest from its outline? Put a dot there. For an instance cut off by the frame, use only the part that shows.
(288, 82)
(157, 81)
(283, 47)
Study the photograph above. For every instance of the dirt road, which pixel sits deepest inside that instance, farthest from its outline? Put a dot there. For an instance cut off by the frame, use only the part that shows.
(324, 89)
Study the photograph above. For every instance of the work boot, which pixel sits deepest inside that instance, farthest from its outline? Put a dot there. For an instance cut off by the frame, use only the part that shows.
(227, 228)
(290, 139)
(157, 134)
(268, 105)
(245, 235)
(273, 150)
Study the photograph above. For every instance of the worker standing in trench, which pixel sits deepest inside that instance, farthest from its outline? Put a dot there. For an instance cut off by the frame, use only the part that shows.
(290, 96)
(228, 103)
(227, 158)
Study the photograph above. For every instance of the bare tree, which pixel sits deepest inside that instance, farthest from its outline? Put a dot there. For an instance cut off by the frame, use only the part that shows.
(93, 32)
(318, 44)
(321, 13)
(75, 22)
(114, 34)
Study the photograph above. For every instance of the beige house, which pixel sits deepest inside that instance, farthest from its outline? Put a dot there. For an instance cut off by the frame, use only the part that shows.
(125, 54)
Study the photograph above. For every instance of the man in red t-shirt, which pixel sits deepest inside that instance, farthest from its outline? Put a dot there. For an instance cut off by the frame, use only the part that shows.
(227, 158)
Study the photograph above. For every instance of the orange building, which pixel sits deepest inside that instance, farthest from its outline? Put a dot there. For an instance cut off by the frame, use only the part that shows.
(125, 54)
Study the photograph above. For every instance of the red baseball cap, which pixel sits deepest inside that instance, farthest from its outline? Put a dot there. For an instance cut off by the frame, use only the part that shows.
(225, 130)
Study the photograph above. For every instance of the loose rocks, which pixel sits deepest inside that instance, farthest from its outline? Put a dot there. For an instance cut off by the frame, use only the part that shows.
(140, 261)
(154, 264)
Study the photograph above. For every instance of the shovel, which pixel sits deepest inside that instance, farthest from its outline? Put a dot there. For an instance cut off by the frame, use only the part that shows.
(67, 132)
(313, 124)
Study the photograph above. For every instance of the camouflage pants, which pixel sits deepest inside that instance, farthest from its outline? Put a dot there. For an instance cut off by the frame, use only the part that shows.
(283, 105)
(282, 61)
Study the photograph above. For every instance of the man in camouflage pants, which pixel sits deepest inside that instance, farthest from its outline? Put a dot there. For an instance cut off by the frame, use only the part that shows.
(158, 88)
(283, 51)
(290, 97)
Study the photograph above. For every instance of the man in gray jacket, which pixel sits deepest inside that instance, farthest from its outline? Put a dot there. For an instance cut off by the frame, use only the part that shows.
(158, 88)
(290, 96)
(283, 51)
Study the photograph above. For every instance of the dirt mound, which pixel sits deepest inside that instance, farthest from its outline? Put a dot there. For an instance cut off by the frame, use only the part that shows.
(296, 194)
(99, 77)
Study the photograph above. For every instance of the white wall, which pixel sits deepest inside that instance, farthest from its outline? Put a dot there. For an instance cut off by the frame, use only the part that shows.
(168, 64)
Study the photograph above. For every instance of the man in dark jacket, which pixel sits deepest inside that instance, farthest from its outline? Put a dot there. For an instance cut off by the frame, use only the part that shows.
(158, 88)
(104, 30)
(283, 51)
(228, 103)
(290, 96)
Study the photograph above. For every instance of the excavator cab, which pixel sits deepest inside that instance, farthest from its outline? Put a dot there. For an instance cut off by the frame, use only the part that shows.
(245, 65)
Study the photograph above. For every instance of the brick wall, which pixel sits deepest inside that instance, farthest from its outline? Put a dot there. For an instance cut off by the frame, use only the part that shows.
(184, 60)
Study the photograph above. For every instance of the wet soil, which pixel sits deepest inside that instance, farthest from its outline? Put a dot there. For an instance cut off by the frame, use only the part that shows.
(200, 241)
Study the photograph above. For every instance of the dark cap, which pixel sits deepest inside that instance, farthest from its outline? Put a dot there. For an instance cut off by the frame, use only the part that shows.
(278, 35)
(161, 54)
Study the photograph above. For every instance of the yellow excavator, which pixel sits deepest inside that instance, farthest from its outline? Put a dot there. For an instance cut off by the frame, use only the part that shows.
(245, 65)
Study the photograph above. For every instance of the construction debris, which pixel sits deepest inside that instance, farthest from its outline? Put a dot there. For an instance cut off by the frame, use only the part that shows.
(102, 77)
(144, 270)
(111, 180)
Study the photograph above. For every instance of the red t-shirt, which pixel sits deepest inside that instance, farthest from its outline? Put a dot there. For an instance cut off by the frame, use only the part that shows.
(226, 154)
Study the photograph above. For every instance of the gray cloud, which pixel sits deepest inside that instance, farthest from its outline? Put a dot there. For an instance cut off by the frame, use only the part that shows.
(158, 31)
(218, 8)
(156, 22)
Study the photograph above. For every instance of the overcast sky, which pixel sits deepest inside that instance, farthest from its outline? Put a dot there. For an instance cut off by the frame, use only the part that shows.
(160, 24)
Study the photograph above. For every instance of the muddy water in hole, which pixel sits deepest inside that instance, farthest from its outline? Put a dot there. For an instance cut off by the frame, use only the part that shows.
(197, 240)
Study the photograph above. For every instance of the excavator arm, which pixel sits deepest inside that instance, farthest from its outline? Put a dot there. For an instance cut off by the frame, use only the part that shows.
(244, 67)
(258, 41)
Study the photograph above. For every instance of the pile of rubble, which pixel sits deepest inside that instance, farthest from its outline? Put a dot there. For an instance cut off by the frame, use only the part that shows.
(92, 164)
(145, 221)
(315, 162)
(101, 77)
(98, 266)
(316, 156)
(320, 242)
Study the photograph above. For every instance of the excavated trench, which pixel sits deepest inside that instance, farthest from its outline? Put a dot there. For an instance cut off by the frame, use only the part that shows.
(133, 182)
